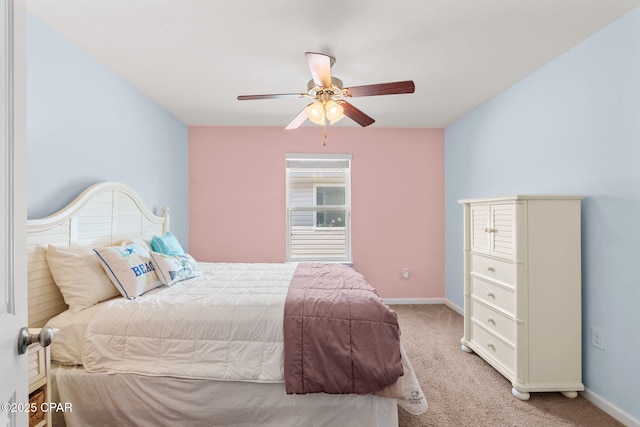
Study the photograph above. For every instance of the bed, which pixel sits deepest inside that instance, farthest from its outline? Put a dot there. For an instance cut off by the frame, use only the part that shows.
(205, 346)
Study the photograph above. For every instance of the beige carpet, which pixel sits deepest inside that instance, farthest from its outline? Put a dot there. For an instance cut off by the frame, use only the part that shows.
(463, 390)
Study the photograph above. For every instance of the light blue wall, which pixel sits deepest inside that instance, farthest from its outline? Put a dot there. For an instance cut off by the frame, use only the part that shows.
(86, 125)
(572, 127)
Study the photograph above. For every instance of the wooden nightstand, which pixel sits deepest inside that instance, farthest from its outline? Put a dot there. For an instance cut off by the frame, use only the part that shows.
(39, 377)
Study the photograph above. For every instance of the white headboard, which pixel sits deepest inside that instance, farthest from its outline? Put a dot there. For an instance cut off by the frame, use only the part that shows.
(104, 214)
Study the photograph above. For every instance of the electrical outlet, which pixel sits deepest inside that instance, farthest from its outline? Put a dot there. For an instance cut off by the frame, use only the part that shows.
(597, 338)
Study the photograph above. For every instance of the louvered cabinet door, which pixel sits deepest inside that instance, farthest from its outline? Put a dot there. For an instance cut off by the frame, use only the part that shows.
(492, 229)
(501, 230)
(479, 226)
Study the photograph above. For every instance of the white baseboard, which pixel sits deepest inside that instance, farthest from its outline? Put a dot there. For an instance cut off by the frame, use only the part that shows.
(611, 409)
(402, 301)
(455, 308)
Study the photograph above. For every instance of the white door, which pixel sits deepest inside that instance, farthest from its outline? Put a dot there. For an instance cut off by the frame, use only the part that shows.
(13, 216)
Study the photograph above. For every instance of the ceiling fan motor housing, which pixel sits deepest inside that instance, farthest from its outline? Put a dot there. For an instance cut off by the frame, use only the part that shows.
(336, 87)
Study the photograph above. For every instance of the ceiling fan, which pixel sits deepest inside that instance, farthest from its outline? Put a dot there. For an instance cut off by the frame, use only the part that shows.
(330, 94)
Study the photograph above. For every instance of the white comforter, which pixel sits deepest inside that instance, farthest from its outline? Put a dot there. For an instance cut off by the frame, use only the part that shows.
(224, 325)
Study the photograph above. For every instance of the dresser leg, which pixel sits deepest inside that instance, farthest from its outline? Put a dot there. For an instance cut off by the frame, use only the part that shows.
(465, 348)
(570, 394)
(520, 395)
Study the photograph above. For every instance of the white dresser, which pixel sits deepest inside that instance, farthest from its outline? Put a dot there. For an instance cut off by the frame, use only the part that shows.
(522, 290)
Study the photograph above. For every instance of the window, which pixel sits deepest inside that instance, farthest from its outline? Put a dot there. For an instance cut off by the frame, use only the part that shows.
(318, 207)
(329, 195)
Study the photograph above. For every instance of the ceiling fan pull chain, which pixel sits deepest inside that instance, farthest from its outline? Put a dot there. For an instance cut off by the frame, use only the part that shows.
(324, 116)
(324, 141)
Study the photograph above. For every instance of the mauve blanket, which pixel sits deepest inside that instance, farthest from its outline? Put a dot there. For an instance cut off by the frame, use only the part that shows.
(339, 337)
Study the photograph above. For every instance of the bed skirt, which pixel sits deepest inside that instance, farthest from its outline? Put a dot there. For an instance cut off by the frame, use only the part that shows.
(100, 399)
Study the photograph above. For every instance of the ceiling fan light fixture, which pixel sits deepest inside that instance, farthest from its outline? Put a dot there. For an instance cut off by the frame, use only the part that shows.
(315, 113)
(320, 111)
(334, 111)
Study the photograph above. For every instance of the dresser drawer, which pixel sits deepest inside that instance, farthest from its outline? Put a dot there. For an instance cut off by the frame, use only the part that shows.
(502, 297)
(494, 269)
(494, 347)
(494, 321)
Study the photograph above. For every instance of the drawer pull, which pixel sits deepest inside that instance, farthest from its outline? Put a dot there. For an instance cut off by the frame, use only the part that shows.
(491, 295)
(491, 269)
(491, 346)
(491, 320)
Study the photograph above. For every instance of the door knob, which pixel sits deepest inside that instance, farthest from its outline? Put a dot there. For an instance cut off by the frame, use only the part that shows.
(25, 339)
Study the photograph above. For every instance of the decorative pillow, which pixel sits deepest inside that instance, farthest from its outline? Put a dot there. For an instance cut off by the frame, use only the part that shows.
(174, 268)
(79, 275)
(167, 244)
(130, 269)
(145, 243)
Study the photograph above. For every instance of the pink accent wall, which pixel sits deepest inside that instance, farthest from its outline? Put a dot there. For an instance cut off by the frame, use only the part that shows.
(237, 199)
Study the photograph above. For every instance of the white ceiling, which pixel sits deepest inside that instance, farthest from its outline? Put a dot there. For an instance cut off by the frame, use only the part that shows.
(194, 57)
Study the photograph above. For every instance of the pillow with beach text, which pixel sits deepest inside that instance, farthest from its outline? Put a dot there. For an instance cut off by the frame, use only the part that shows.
(130, 268)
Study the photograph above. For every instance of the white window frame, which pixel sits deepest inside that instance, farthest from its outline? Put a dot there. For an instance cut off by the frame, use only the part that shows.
(315, 208)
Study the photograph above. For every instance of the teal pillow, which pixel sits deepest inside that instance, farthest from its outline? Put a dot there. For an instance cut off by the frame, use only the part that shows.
(167, 244)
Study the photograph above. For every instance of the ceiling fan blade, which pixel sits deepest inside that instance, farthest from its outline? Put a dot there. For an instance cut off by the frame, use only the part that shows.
(272, 96)
(394, 88)
(298, 120)
(355, 114)
(320, 66)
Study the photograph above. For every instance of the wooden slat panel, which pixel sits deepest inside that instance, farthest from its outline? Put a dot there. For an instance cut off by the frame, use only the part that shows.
(150, 229)
(126, 219)
(48, 239)
(102, 223)
(502, 216)
(36, 274)
(40, 314)
(92, 238)
(37, 255)
(38, 261)
(44, 297)
(44, 288)
(61, 228)
(479, 224)
(95, 242)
